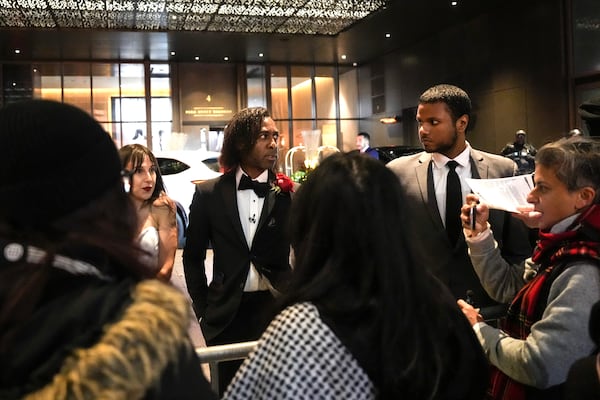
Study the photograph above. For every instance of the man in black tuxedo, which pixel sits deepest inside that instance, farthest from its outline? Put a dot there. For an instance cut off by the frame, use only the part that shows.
(243, 215)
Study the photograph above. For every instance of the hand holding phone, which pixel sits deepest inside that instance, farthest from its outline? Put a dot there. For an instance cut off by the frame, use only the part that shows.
(473, 216)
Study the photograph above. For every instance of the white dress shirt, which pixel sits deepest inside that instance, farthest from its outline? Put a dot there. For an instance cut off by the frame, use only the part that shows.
(440, 173)
(249, 208)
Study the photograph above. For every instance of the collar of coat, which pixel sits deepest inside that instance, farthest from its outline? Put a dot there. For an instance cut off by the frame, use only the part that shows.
(132, 353)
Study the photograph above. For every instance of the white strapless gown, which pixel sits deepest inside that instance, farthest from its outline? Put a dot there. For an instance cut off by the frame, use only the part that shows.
(148, 240)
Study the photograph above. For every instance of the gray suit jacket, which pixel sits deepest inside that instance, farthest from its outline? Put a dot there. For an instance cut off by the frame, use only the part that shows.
(431, 247)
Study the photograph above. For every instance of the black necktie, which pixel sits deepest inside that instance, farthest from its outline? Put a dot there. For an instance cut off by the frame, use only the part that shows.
(260, 188)
(453, 202)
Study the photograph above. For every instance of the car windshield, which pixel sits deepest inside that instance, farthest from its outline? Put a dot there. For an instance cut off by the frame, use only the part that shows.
(212, 163)
(170, 166)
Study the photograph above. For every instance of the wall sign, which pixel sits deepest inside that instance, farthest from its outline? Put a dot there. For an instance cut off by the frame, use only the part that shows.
(208, 93)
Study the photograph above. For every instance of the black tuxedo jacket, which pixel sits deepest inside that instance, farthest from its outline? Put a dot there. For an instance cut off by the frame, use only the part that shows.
(214, 221)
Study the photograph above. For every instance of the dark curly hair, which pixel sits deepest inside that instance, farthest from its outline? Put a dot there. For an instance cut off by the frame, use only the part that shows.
(240, 136)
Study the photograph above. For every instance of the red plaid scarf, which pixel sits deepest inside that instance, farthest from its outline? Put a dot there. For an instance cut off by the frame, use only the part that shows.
(554, 251)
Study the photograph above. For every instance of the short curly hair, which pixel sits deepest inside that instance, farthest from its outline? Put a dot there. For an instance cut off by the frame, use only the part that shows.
(455, 98)
(575, 160)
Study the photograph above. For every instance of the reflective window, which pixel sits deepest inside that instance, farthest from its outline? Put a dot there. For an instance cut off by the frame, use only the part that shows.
(161, 107)
(255, 84)
(348, 82)
(325, 92)
(279, 92)
(171, 166)
(76, 85)
(298, 127)
(302, 93)
(113, 93)
(302, 97)
(328, 130)
(47, 81)
(105, 87)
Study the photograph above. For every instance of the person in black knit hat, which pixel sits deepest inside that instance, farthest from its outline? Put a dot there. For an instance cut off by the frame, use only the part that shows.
(79, 315)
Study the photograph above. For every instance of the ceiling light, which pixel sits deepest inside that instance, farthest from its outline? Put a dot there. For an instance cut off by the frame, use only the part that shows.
(343, 56)
(390, 120)
(226, 58)
(260, 54)
(172, 53)
(454, 3)
(388, 35)
(354, 64)
(17, 51)
(197, 58)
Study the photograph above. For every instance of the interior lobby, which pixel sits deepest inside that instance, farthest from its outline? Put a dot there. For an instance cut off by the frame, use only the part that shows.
(181, 66)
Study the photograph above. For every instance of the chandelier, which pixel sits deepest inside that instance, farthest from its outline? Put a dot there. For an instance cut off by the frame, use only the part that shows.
(313, 17)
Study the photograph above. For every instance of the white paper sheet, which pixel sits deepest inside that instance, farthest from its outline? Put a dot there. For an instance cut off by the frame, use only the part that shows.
(503, 193)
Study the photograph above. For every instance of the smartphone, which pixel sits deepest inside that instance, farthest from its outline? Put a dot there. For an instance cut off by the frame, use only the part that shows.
(473, 216)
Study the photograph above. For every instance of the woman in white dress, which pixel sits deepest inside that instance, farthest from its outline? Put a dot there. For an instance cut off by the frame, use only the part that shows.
(155, 210)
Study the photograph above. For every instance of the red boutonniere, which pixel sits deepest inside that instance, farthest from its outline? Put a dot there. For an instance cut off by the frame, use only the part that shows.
(282, 184)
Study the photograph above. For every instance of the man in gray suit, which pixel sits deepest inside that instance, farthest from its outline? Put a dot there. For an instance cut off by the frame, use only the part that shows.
(443, 116)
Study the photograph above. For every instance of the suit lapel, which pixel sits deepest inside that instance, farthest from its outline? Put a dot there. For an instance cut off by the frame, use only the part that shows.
(230, 203)
(479, 169)
(269, 203)
(425, 181)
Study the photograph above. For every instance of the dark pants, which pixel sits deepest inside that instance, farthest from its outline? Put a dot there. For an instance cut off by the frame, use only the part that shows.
(253, 316)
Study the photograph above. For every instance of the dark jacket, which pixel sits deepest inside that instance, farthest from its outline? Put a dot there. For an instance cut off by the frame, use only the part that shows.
(214, 220)
(111, 340)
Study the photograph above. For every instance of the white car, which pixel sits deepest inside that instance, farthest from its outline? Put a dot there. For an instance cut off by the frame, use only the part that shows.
(181, 170)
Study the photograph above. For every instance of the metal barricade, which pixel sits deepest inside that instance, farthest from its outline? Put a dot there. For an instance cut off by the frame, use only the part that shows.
(212, 355)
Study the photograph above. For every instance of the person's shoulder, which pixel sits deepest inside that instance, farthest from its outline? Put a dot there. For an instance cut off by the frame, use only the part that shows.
(499, 165)
(406, 160)
(151, 324)
(480, 155)
(210, 184)
(299, 314)
(372, 152)
(294, 321)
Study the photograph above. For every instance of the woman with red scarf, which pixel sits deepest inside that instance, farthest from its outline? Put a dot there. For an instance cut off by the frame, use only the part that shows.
(546, 327)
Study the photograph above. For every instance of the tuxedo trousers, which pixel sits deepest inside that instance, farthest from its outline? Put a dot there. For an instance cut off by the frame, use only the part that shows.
(254, 314)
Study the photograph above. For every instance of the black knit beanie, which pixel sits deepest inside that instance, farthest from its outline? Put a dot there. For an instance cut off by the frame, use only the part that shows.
(54, 159)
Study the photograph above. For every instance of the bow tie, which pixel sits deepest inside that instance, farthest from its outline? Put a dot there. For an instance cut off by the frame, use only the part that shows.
(260, 188)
